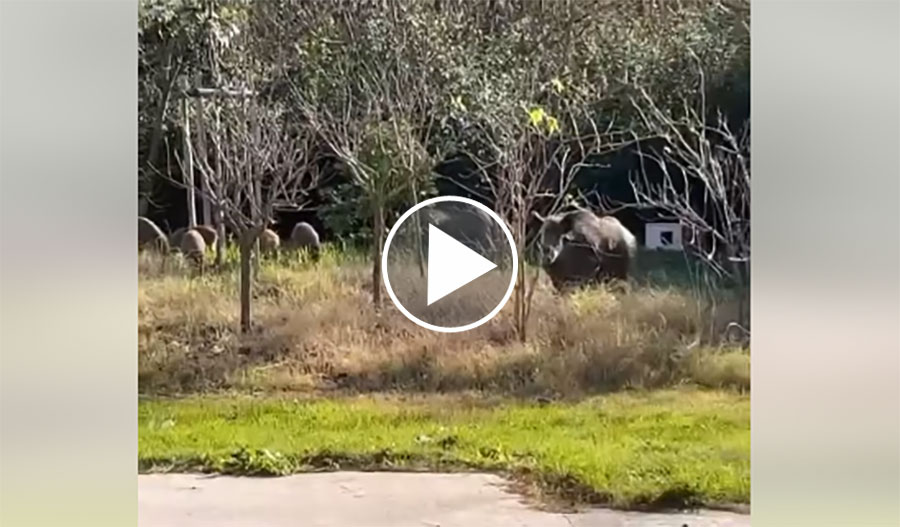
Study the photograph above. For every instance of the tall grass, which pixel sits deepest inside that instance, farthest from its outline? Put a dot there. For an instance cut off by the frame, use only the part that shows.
(315, 329)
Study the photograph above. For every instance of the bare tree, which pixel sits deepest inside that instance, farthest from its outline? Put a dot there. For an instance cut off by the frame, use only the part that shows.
(529, 169)
(374, 114)
(385, 161)
(265, 162)
(704, 184)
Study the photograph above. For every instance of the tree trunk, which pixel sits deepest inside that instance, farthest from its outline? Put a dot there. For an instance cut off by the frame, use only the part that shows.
(256, 257)
(157, 130)
(156, 136)
(520, 302)
(204, 160)
(189, 168)
(520, 295)
(376, 253)
(255, 172)
(740, 276)
(246, 278)
(220, 240)
(417, 239)
(219, 217)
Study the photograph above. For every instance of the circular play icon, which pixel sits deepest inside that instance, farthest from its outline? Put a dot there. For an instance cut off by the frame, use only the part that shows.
(449, 264)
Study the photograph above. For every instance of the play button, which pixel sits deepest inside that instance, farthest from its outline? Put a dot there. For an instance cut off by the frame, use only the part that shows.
(449, 264)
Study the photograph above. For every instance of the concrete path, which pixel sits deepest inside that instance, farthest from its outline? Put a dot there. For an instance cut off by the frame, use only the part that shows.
(371, 499)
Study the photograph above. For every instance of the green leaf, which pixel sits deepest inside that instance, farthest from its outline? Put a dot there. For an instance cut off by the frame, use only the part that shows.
(552, 124)
(536, 115)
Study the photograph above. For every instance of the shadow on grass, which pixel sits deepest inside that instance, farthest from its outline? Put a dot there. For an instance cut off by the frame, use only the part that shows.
(547, 489)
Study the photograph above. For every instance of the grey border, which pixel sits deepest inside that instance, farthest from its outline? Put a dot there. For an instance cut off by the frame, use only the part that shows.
(68, 265)
(826, 225)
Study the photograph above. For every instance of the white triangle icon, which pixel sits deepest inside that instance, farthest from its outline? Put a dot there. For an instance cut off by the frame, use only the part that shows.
(451, 264)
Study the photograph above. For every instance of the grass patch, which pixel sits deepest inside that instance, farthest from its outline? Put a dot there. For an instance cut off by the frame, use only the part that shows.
(669, 448)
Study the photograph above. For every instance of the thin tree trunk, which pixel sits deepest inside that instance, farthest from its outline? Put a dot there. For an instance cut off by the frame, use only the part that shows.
(157, 134)
(189, 168)
(202, 158)
(220, 239)
(742, 291)
(159, 118)
(219, 215)
(417, 239)
(246, 278)
(156, 137)
(256, 258)
(376, 251)
(521, 296)
(256, 189)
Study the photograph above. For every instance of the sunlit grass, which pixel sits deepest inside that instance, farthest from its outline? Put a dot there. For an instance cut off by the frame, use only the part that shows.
(672, 447)
(316, 328)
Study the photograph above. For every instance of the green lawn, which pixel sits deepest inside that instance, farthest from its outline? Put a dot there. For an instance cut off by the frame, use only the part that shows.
(631, 449)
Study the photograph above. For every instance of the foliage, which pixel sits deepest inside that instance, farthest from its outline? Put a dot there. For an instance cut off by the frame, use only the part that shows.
(341, 215)
(527, 93)
(178, 42)
(460, 72)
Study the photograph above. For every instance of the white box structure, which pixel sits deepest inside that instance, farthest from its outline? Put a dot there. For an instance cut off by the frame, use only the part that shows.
(665, 236)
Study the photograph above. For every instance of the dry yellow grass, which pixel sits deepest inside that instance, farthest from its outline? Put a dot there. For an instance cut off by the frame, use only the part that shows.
(316, 330)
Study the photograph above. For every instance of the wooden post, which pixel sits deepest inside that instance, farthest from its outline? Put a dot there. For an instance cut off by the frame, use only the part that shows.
(189, 166)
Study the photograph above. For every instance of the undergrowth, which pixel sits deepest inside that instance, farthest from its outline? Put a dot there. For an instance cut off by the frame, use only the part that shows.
(316, 329)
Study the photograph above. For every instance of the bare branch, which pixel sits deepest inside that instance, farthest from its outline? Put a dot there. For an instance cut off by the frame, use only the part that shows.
(703, 181)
